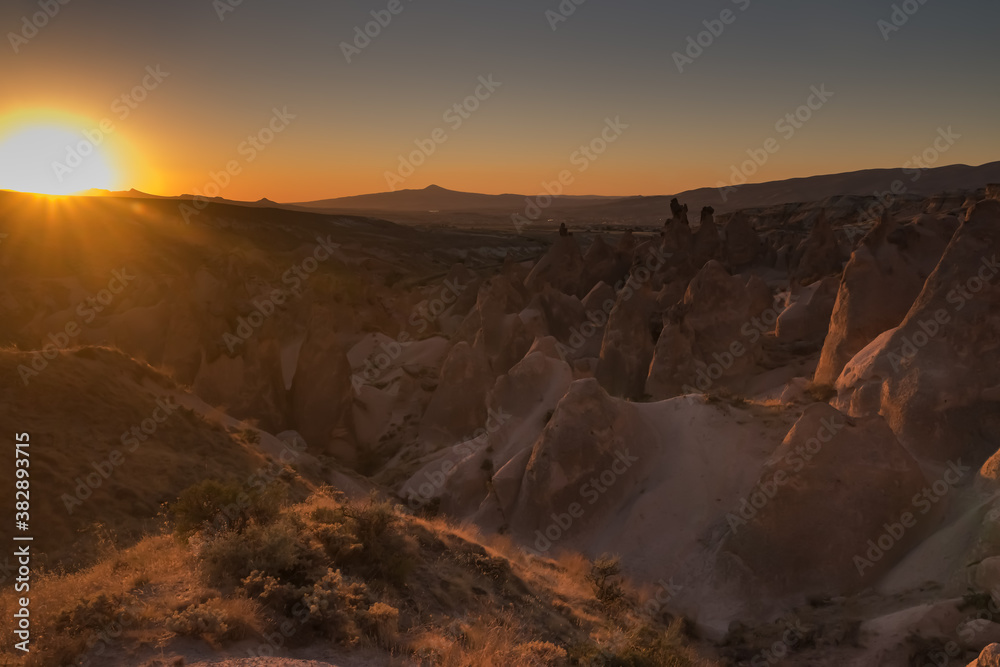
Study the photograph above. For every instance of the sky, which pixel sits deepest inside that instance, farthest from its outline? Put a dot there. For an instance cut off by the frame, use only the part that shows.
(284, 101)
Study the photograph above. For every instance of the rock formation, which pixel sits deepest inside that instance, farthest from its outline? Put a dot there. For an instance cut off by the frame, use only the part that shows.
(806, 316)
(819, 255)
(882, 279)
(562, 266)
(742, 245)
(827, 463)
(712, 339)
(627, 348)
(706, 239)
(930, 376)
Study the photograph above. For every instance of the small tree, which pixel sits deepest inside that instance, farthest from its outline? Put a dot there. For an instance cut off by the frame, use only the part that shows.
(605, 577)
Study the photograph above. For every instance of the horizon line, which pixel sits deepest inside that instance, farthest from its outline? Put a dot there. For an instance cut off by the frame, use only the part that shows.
(187, 195)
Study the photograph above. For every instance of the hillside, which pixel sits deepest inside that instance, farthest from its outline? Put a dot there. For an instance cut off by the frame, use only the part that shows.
(345, 584)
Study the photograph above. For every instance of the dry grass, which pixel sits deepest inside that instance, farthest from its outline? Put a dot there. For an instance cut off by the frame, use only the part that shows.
(462, 599)
(79, 408)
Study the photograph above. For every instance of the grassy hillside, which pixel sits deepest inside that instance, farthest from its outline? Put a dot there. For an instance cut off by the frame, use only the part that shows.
(95, 466)
(363, 578)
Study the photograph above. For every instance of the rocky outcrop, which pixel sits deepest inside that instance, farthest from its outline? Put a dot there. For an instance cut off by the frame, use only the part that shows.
(458, 406)
(677, 239)
(603, 264)
(882, 279)
(932, 375)
(990, 657)
(627, 348)
(742, 245)
(819, 255)
(321, 394)
(250, 385)
(561, 267)
(626, 247)
(480, 474)
(706, 240)
(711, 340)
(806, 316)
(494, 325)
(564, 318)
(825, 498)
(635, 479)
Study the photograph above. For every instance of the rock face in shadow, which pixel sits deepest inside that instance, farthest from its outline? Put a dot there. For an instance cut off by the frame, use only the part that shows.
(819, 255)
(710, 339)
(604, 264)
(635, 479)
(833, 485)
(743, 245)
(706, 240)
(585, 434)
(561, 267)
(250, 384)
(563, 314)
(880, 283)
(494, 326)
(806, 317)
(932, 376)
(321, 394)
(480, 475)
(677, 240)
(458, 406)
(627, 348)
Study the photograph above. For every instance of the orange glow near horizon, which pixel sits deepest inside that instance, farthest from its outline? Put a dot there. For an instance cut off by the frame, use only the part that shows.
(297, 167)
(51, 152)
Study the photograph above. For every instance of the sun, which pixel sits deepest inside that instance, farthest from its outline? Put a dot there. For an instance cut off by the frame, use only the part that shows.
(55, 157)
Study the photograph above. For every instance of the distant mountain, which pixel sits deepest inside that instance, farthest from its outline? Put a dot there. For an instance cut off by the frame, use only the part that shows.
(813, 188)
(97, 192)
(435, 205)
(136, 194)
(435, 198)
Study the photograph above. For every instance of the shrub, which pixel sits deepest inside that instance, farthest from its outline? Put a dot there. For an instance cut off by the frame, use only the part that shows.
(334, 532)
(90, 614)
(250, 436)
(329, 604)
(372, 521)
(283, 551)
(605, 577)
(78, 628)
(381, 623)
(383, 553)
(644, 646)
(649, 646)
(333, 603)
(539, 654)
(209, 621)
(224, 506)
